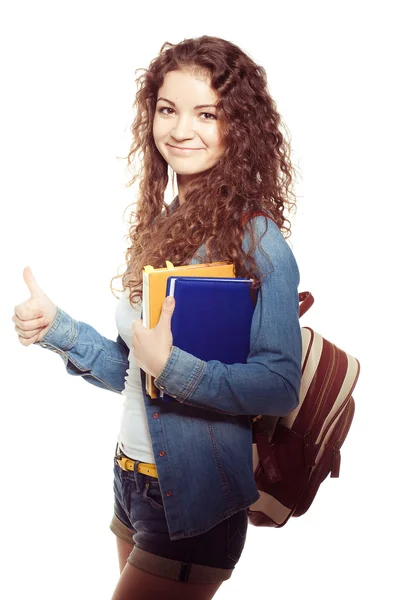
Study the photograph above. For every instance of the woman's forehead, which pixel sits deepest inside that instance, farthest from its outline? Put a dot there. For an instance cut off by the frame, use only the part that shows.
(188, 87)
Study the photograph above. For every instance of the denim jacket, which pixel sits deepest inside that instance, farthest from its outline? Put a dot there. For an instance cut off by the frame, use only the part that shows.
(202, 441)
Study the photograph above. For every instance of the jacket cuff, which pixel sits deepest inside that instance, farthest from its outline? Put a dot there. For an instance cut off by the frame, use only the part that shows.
(170, 379)
(62, 333)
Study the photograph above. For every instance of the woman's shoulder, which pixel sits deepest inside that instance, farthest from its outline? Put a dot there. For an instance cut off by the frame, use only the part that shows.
(272, 251)
(265, 231)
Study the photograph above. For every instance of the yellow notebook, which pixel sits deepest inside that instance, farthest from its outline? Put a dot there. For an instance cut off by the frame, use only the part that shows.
(154, 290)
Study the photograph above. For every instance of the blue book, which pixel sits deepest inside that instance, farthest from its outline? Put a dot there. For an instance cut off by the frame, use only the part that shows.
(212, 317)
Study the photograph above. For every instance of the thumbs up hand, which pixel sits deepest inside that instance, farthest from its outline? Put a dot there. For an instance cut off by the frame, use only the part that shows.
(34, 317)
(151, 347)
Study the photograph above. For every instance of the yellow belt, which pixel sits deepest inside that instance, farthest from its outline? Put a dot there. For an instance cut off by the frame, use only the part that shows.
(128, 464)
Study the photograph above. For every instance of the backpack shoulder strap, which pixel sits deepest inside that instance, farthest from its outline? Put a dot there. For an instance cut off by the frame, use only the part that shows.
(306, 300)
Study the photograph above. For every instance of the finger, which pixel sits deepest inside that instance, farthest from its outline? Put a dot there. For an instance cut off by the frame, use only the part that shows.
(27, 335)
(167, 312)
(31, 323)
(25, 313)
(27, 342)
(30, 281)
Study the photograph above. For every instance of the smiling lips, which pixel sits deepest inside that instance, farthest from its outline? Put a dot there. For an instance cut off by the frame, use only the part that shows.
(179, 150)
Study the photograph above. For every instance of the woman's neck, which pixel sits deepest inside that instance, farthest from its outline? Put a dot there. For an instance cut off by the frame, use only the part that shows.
(182, 181)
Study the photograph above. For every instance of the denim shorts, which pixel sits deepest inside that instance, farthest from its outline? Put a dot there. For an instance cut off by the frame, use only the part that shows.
(139, 518)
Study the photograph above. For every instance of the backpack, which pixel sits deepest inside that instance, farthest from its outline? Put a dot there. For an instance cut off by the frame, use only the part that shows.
(292, 455)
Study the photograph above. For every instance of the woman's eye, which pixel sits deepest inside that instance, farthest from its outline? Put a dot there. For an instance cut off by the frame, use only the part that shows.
(162, 109)
(209, 116)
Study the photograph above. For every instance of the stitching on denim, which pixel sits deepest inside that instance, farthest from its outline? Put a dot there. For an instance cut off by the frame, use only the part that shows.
(103, 349)
(73, 333)
(54, 325)
(180, 534)
(195, 379)
(167, 367)
(218, 461)
(166, 466)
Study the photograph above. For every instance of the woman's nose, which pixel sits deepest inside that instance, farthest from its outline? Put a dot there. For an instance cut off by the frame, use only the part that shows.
(183, 128)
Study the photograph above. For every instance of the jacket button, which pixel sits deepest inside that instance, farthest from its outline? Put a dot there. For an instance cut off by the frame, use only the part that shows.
(161, 453)
(155, 416)
(169, 493)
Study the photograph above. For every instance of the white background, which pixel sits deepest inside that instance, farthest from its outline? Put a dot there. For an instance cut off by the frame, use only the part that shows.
(68, 84)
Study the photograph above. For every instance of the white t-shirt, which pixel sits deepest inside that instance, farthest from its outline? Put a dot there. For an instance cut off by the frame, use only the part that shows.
(134, 436)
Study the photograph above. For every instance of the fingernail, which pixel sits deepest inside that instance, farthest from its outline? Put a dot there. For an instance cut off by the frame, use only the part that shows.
(169, 300)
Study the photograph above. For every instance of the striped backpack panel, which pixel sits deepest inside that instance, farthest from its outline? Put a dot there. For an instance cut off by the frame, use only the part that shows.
(292, 455)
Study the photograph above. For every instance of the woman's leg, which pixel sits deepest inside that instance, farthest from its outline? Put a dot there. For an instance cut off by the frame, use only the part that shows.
(124, 550)
(187, 569)
(135, 584)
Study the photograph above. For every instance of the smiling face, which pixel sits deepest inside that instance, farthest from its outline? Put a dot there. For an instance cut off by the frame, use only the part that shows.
(185, 126)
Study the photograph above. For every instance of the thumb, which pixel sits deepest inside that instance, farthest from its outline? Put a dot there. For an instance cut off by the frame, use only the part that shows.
(31, 283)
(167, 311)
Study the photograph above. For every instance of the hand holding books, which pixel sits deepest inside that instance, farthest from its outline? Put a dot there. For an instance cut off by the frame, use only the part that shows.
(151, 347)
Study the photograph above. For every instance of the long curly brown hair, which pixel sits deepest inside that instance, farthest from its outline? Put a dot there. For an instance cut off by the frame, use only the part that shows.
(253, 175)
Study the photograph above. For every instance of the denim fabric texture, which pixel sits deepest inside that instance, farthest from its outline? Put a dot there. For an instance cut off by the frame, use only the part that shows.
(139, 506)
(202, 441)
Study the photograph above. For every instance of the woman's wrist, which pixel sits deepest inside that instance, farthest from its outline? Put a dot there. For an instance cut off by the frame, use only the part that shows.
(161, 363)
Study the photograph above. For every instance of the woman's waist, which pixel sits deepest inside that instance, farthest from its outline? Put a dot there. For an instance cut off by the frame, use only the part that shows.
(126, 463)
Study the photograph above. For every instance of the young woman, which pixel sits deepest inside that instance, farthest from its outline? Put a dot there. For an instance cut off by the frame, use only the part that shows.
(183, 469)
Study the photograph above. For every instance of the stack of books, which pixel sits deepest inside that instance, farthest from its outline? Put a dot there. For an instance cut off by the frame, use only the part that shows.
(212, 315)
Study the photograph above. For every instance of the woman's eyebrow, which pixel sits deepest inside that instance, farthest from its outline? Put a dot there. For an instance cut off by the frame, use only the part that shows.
(195, 108)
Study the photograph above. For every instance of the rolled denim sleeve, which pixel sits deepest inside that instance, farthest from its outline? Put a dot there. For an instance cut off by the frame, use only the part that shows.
(100, 361)
(269, 382)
